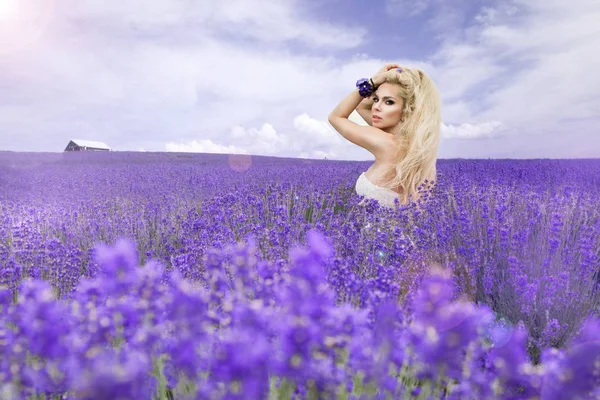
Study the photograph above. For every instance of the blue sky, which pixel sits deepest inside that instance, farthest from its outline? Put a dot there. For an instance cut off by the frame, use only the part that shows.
(518, 78)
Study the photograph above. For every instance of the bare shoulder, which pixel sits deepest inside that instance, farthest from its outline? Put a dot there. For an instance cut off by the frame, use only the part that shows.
(388, 147)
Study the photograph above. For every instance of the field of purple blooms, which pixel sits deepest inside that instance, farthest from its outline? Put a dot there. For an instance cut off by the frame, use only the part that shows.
(195, 276)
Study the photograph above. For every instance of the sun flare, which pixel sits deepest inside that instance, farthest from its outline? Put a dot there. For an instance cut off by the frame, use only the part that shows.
(24, 23)
(9, 9)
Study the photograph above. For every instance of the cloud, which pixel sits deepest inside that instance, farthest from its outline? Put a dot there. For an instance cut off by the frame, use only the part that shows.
(153, 93)
(100, 83)
(203, 146)
(262, 76)
(528, 65)
(23, 23)
(316, 133)
(311, 138)
(318, 154)
(472, 131)
(263, 141)
(406, 8)
(267, 21)
(324, 154)
(508, 68)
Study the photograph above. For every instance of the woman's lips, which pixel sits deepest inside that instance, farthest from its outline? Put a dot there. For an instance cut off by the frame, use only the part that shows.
(376, 118)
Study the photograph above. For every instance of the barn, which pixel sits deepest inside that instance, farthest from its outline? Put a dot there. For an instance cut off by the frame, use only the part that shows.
(86, 145)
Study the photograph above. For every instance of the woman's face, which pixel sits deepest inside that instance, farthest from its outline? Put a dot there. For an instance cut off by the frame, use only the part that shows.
(387, 107)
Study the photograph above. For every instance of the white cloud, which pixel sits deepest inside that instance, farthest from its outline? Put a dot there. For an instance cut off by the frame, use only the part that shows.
(324, 154)
(318, 154)
(263, 141)
(203, 146)
(184, 92)
(104, 87)
(265, 20)
(406, 8)
(318, 139)
(312, 138)
(315, 133)
(472, 131)
(530, 65)
(136, 74)
(23, 23)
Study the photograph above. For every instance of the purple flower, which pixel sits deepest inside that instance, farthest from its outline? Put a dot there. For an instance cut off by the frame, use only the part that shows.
(108, 375)
(574, 373)
(441, 331)
(511, 365)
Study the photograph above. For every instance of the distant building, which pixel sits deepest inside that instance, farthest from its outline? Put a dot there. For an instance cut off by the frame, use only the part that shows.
(86, 145)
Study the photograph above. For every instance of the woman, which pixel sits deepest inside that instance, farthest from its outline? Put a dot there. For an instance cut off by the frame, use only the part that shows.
(402, 107)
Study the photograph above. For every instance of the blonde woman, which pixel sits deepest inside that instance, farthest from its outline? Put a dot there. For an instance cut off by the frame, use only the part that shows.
(402, 108)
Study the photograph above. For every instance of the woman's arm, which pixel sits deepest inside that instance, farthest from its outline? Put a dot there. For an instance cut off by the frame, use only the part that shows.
(365, 106)
(364, 109)
(347, 105)
(370, 138)
(354, 101)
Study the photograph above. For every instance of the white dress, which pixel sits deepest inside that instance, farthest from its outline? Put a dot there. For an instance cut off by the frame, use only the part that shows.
(369, 190)
(384, 196)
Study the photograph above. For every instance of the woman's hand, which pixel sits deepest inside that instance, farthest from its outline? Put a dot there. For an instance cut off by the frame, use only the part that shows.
(379, 77)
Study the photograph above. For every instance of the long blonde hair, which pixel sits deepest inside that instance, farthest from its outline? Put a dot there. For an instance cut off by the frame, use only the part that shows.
(417, 135)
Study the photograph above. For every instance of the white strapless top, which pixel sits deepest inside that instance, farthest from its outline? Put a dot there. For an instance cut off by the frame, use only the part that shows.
(384, 196)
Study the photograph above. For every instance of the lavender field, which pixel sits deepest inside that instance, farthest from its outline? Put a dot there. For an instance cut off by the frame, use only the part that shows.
(197, 276)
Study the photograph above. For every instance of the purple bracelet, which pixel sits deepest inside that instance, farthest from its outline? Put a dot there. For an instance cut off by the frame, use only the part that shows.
(365, 88)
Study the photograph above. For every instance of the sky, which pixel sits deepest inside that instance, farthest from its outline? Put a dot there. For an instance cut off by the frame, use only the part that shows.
(518, 78)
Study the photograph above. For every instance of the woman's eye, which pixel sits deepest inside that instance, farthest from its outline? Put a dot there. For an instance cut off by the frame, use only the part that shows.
(390, 102)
